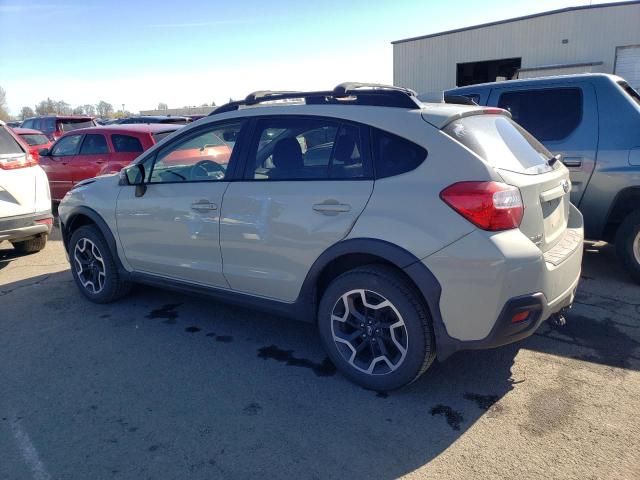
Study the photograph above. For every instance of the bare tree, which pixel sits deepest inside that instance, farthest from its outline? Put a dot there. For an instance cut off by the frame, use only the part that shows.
(89, 109)
(104, 109)
(78, 110)
(27, 112)
(163, 106)
(4, 114)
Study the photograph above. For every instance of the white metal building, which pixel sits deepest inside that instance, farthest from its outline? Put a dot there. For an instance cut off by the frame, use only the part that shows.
(594, 38)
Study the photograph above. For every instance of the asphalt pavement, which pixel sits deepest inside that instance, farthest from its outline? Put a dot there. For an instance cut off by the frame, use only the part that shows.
(162, 385)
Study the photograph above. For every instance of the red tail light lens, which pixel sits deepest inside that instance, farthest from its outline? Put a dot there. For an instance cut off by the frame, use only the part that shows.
(22, 161)
(490, 206)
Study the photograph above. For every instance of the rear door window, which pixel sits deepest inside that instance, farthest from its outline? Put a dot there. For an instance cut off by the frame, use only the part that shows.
(549, 114)
(27, 123)
(502, 143)
(126, 143)
(307, 149)
(94, 145)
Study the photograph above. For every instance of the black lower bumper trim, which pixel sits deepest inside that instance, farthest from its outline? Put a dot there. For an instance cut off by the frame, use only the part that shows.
(504, 330)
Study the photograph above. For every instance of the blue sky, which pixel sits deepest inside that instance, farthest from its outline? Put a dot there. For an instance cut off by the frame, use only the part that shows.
(188, 52)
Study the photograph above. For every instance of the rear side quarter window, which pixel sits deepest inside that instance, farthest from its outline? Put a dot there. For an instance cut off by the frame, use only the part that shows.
(394, 155)
(126, 143)
(550, 114)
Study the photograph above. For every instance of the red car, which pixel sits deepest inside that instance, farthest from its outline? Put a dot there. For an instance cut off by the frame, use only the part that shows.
(34, 139)
(88, 152)
(54, 126)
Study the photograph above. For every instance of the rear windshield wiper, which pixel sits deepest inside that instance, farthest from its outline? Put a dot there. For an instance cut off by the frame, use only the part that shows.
(554, 159)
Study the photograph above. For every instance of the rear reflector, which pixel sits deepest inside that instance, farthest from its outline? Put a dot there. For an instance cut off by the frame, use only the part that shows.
(22, 161)
(520, 316)
(45, 221)
(490, 206)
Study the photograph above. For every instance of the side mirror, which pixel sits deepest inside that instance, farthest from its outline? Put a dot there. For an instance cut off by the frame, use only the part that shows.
(44, 152)
(134, 175)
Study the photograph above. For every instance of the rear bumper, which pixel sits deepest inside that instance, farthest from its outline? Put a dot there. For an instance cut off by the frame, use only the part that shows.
(487, 278)
(22, 227)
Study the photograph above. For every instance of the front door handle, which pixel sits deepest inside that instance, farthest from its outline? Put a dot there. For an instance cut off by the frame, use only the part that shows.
(572, 162)
(331, 207)
(203, 206)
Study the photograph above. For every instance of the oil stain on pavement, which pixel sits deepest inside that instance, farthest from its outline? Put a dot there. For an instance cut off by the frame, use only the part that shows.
(323, 369)
(453, 417)
(168, 312)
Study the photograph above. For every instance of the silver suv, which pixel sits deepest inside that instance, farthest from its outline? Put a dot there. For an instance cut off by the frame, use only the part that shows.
(405, 230)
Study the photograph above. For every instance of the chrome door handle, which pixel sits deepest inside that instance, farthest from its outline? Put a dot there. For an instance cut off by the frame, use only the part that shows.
(331, 208)
(203, 206)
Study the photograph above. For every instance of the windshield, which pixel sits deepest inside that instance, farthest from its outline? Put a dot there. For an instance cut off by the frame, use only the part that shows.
(34, 139)
(502, 143)
(8, 144)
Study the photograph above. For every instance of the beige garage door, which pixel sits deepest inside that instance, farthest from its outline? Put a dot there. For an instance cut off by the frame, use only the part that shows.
(628, 64)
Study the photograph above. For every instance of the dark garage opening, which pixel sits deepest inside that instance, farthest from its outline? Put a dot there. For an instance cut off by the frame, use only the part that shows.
(488, 71)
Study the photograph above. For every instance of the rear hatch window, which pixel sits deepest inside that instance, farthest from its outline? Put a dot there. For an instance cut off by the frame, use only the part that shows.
(35, 139)
(73, 124)
(8, 144)
(502, 143)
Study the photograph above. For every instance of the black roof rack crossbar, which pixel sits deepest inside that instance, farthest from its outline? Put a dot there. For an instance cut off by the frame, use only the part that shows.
(350, 93)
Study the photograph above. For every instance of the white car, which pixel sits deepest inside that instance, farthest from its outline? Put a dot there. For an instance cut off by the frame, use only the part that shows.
(25, 201)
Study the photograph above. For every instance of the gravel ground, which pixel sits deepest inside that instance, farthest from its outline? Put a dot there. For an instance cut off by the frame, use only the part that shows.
(166, 386)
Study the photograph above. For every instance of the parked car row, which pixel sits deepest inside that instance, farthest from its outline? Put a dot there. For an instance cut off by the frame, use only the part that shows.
(88, 152)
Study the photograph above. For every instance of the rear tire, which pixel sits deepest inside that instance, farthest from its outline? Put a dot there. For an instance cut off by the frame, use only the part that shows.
(628, 244)
(93, 267)
(376, 328)
(32, 245)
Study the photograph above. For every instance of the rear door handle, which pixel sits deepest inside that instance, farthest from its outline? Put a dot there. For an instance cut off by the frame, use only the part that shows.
(572, 162)
(203, 206)
(331, 207)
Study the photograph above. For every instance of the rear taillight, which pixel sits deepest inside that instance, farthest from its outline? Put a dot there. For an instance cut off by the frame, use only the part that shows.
(17, 162)
(488, 205)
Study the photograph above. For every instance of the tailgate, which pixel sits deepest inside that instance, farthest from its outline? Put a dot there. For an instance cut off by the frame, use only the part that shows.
(546, 204)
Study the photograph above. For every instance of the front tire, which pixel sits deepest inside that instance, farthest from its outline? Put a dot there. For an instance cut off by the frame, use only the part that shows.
(628, 244)
(376, 328)
(93, 267)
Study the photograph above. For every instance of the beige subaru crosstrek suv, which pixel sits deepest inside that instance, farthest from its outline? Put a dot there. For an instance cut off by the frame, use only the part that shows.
(405, 231)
